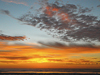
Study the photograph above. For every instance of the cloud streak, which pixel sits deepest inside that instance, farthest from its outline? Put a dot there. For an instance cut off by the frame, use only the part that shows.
(52, 48)
(5, 12)
(65, 46)
(9, 62)
(11, 38)
(16, 58)
(16, 2)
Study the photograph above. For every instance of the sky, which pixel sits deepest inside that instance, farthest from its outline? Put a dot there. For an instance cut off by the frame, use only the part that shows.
(50, 34)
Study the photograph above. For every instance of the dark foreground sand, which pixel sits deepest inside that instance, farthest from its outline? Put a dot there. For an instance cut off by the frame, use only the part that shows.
(45, 74)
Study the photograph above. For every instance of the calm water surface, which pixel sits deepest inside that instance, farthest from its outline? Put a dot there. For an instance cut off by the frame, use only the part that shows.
(82, 71)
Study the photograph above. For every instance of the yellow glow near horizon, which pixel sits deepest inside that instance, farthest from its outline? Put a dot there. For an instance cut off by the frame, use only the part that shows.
(16, 56)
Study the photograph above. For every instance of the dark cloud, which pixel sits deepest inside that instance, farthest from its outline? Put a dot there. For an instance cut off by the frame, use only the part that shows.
(68, 22)
(11, 38)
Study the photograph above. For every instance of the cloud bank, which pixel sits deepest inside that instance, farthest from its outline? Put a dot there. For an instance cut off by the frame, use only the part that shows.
(68, 22)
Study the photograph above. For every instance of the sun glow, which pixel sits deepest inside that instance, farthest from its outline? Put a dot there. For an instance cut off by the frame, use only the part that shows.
(40, 60)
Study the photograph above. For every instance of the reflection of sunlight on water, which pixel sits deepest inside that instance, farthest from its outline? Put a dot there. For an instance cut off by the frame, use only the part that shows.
(50, 72)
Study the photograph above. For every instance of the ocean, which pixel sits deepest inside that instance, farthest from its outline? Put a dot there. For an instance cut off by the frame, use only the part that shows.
(49, 71)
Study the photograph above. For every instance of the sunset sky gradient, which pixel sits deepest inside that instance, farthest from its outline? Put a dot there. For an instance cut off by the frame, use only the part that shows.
(50, 34)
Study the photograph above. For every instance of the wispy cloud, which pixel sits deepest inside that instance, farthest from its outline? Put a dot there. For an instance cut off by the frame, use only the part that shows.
(16, 2)
(98, 6)
(5, 12)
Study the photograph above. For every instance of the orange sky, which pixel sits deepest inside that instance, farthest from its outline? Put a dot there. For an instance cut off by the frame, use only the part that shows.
(36, 56)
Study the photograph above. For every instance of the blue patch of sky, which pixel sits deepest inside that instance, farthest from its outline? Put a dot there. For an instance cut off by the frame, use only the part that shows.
(11, 26)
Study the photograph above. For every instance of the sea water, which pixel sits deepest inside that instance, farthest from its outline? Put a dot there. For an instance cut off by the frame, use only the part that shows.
(81, 71)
